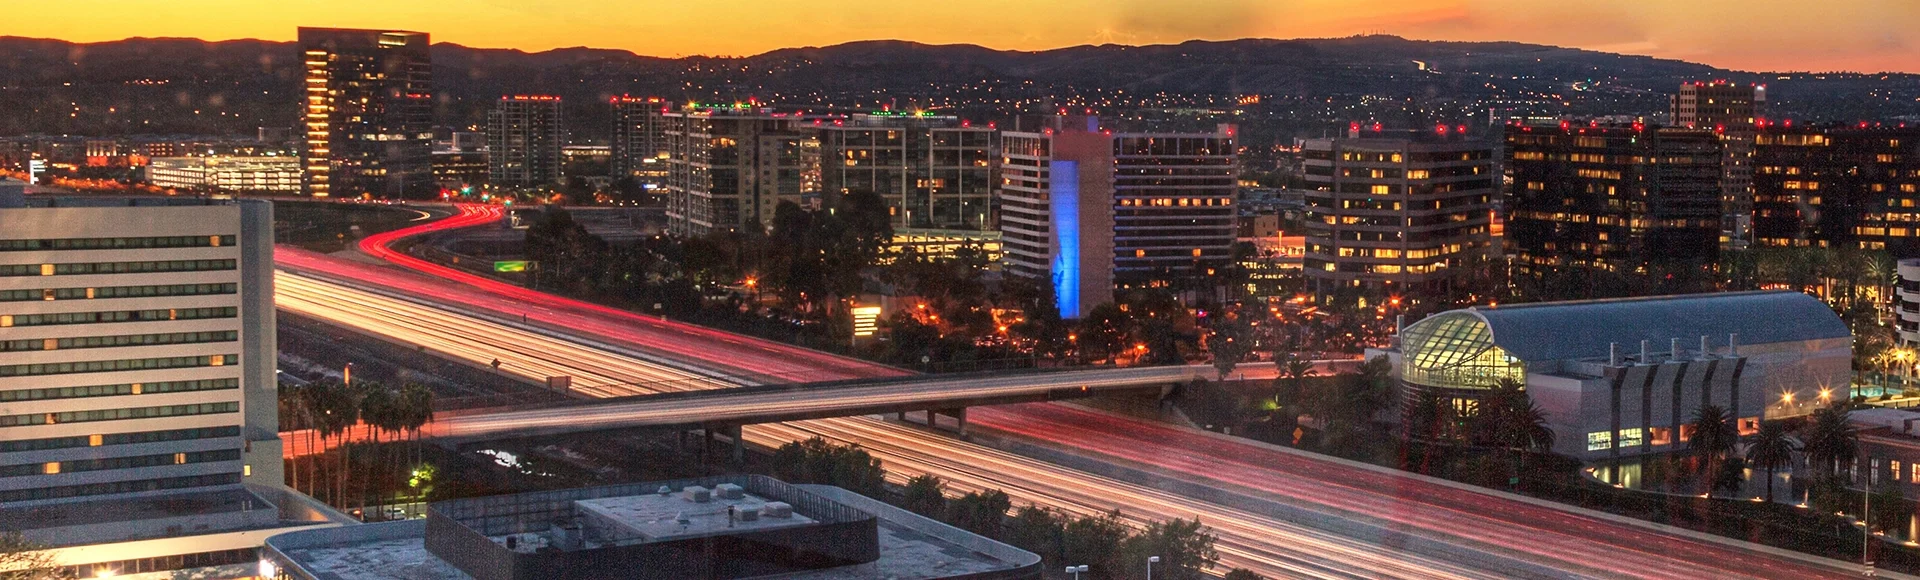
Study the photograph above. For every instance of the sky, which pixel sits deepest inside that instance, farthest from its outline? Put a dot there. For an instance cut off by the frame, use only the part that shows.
(1757, 35)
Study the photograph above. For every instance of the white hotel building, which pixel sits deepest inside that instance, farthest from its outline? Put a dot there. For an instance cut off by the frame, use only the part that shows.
(138, 419)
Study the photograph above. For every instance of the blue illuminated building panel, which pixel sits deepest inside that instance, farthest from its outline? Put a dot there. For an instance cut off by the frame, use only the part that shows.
(1064, 202)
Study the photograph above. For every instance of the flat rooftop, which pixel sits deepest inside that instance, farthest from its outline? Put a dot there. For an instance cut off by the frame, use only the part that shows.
(60, 515)
(905, 554)
(654, 518)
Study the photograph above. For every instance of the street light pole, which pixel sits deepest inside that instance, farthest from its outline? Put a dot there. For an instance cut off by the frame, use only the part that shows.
(1151, 560)
(1076, 570)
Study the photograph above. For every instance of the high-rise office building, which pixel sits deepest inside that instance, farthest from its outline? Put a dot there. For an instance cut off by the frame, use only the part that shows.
(1605, 204)
(1731, 111)
(1089, 210)
(730, 166)
(1839, 185)
(934, 172)
(639, 144)
(369, 113)
(524, 137)
(137, 380)
(1396, 211)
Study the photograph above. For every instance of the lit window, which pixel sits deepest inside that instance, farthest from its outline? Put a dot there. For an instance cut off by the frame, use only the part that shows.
(1629, 438)
(1599, 440)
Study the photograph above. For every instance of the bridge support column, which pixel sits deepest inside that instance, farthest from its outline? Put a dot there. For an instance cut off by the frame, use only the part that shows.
(933, 420)
(739, 443)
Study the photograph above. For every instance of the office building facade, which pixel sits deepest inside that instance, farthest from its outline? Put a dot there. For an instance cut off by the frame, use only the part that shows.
(138, 396)
(729, 167)
(936, 173)
(1838, 185)
(524, 137)
(227, 174)
(1594, 205)
(1396, 212)
(1731, 111)
(1087, 210)
(369, 113)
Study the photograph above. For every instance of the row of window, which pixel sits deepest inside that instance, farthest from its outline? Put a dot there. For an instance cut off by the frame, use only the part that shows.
(107, 366)
(133, 462)
(118, 316)
(118, 487)
(116, 267)
(1604, 440)
(50, 393)
(117, 243)
(121, 340)
(92, 415)
(117, 292)
(19, 445)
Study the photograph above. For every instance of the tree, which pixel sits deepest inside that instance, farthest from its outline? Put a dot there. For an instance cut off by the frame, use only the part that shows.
(1096, 541)
(567, 256)
(1242, 574)
(1830, 440)
(981, 512)
(1507, 418)
(1728, 475)
(1039, 530)
(1770, 449)
(926, 495)
(1104, 330)
(24, 559)
(818, 461)
(1713, 435)
(1294, 371)
(1231, 342)
(1185, 547)
(1432, 417)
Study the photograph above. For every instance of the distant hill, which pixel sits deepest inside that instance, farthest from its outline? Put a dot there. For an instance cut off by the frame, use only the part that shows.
(191, 86)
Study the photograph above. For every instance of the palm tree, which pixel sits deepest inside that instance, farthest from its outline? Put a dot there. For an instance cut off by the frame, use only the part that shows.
(1295, 371)
(1431, 417)
(1830, 440)
(1770, 449)
(1508, 418)
(1713, 433)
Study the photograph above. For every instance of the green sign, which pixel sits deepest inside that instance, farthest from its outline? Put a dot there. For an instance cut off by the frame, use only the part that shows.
(510, 266)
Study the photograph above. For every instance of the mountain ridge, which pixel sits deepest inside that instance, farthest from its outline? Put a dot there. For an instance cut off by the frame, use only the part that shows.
(185, 85)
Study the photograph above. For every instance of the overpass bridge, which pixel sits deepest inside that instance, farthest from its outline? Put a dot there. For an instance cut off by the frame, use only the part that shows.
(725, 410)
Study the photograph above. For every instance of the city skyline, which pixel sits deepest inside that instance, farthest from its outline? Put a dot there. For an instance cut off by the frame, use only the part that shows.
(1764, 35)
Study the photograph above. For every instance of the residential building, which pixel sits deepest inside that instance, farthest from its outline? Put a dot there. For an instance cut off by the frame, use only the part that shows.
(727, 527)
(1638, 369)
(524, 136)
(369, 113)
(1092, 210)
(1396, 212)
(1732, 111)
(1906, 301)
(1838, 185)
(227, 174)
(1594, 208)
(639, 144)
(730, 166)
(138, 395)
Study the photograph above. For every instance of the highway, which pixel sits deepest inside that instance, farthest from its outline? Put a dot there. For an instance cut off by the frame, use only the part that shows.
(1410, 527)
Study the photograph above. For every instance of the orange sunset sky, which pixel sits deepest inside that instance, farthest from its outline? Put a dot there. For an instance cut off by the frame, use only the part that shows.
(1768, 35)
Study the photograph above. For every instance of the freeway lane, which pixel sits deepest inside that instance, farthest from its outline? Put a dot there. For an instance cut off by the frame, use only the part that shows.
(1573, 545)
(1271, 546)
